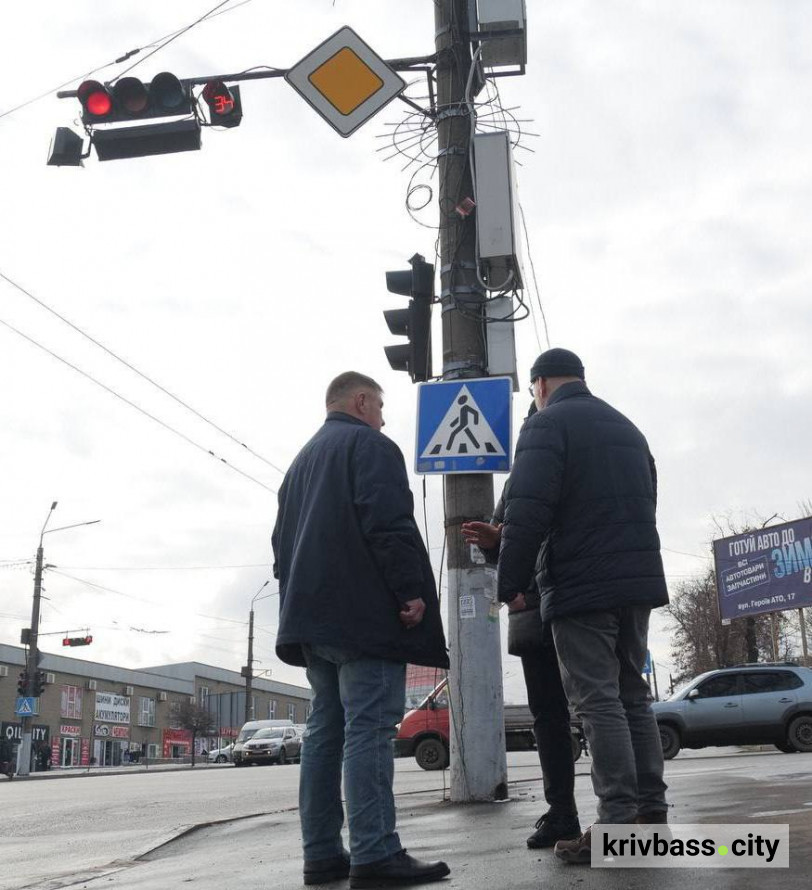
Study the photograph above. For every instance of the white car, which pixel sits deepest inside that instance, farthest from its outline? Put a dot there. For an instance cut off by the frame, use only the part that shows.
(222, 755)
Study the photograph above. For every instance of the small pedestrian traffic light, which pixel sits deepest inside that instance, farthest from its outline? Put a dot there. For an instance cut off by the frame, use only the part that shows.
(225, 106)
(22, 684)
(413, 322)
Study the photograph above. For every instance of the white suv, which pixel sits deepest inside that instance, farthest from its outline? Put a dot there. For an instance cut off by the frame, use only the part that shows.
(749, 704)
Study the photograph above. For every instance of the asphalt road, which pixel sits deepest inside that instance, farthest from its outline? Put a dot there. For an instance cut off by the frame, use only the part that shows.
(65, 832)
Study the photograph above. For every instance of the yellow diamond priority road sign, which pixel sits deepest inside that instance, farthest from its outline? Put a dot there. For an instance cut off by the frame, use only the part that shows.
(345, 81)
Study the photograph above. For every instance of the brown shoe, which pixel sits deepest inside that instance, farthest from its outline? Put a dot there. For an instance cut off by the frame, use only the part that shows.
(576, 852)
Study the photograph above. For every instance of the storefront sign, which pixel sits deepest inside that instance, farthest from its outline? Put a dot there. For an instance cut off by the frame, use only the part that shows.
(67, 729)
(179, 737)
(120, 732)
(14, 732)
(85, 752)
(55, 750)
(111, 708)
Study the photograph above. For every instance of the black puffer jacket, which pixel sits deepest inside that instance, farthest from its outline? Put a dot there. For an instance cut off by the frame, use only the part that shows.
(347, 551)
(583, 489)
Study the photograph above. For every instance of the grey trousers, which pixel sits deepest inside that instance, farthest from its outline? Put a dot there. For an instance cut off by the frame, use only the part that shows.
(601, 655)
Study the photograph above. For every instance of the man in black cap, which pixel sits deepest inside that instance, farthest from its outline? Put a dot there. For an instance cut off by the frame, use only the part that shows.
(583, 489)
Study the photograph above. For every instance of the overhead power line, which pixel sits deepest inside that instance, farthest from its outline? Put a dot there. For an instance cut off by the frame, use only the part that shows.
(254, 565)
(135, 370)
(138, 407)
(130, 596)
(123, 58)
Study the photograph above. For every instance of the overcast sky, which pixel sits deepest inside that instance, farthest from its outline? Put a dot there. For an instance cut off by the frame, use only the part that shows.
(668, 199)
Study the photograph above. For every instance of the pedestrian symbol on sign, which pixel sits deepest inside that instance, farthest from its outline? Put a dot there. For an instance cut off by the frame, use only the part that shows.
(456, 433)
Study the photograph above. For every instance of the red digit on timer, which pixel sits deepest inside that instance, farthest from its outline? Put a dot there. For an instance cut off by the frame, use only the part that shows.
(223, 104)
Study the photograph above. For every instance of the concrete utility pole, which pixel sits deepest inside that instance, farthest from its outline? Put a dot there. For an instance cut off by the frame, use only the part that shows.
(32, 663)
(478, 764)
(248, 670)
(24, 757)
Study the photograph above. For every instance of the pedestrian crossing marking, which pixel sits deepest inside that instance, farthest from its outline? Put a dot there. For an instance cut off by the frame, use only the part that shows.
(24, 707)
(464, 430)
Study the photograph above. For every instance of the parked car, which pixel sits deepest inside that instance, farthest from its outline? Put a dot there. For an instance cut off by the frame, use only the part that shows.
(248, 730)
(424, 731)
(749, 704)
(222, 755)
(276, 744)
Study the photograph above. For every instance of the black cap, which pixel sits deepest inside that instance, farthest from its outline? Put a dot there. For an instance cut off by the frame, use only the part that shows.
(557, 363)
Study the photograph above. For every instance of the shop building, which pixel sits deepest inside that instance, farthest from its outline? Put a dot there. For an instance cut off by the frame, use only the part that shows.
(104, 715)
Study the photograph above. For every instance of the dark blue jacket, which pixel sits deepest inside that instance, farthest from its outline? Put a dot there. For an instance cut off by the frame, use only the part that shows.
(583, 489)
(347, 551)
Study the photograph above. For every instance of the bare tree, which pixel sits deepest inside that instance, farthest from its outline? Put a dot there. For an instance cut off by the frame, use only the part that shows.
(700, 642)
(199, 721)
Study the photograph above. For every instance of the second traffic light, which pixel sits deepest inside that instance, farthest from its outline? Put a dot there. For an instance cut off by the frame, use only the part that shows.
(413, 322)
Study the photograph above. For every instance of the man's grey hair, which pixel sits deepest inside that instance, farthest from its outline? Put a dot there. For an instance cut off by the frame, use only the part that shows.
(348, 384)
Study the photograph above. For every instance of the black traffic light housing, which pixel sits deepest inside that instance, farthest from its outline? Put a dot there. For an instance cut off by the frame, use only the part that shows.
(22, 684)
(39, 684)
(129, 99)
(413, 322)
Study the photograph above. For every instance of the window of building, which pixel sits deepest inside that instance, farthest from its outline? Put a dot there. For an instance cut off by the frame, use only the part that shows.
(146, 712)
(272, 709)
(72, 702)
(203, 696)
(292, 712)
(152, 752)
(174, 715)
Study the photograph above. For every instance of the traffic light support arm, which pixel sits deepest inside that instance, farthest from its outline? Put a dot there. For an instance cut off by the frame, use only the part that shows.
(408, 64)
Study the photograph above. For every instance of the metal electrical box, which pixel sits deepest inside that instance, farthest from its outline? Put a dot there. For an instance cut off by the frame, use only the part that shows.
(497, 210)
(501, 337)
(502, 15)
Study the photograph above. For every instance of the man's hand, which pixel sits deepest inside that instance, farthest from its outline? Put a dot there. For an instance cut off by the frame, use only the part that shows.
(483, 534)
(412, 613)
(517, 604)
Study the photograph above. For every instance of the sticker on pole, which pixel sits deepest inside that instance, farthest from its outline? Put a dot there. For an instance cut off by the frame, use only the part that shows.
(345, 80)
(464, 426)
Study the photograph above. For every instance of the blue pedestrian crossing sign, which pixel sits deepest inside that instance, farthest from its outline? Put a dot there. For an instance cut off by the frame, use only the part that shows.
(464, 426)
(25, 707)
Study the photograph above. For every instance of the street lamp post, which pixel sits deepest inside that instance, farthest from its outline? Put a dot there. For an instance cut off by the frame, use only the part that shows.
(24, 754)
(248, 670)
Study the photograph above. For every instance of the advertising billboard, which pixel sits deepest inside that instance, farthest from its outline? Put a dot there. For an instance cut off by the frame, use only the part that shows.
(767, 570)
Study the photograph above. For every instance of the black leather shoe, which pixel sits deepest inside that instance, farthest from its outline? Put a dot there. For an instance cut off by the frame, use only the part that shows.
(399, 870)
(550, 829)
(322, 871)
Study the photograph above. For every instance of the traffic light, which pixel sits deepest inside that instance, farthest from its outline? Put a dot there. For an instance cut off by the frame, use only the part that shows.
(225, 106)
(22, 684)
(39, 684)
(414, 322)
(77, 641)
(129, 99)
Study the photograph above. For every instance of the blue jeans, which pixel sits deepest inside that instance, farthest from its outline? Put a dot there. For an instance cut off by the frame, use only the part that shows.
(357, 702)
(601, 655)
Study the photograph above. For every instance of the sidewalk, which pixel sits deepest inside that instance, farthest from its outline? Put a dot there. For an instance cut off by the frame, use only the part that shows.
(76, 772)
(483, 843)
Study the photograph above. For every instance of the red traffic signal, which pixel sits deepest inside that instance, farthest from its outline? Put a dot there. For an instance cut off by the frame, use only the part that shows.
(130, 99)
(225, 107)
(77, 641)
(96, 99)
